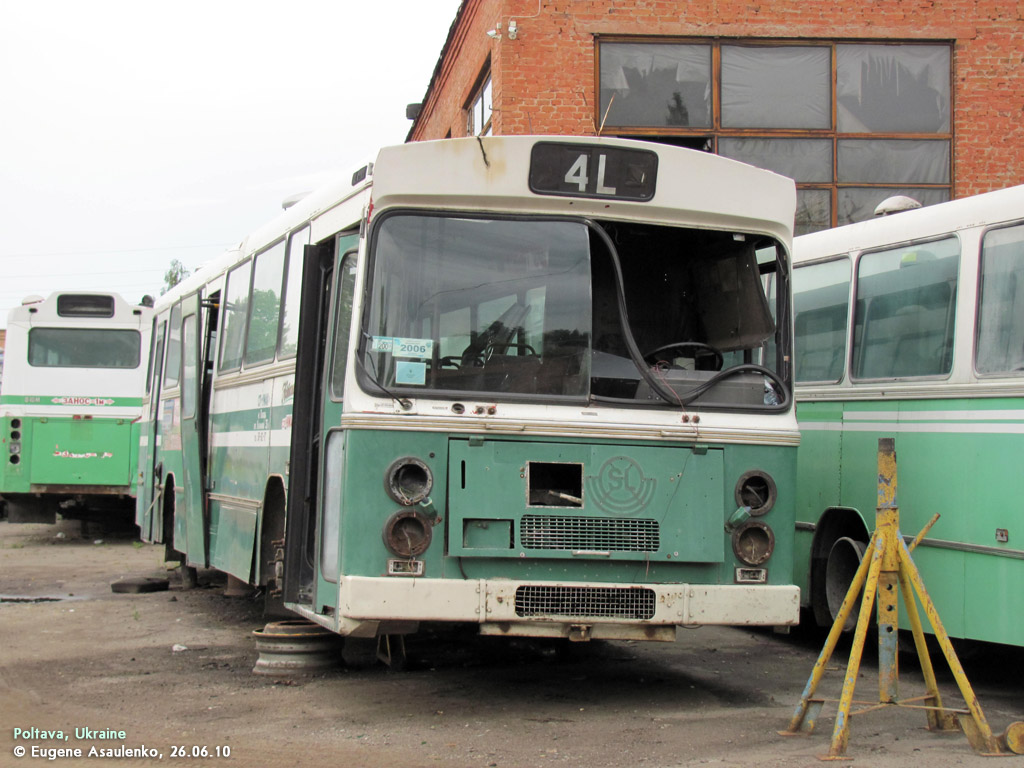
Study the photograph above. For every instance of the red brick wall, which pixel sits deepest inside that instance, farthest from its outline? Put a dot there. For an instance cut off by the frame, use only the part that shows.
(544, 81)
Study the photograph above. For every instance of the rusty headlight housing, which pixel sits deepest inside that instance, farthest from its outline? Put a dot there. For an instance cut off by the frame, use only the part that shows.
(753, 542)
(407, 533)
(408, 481)
(756, 489)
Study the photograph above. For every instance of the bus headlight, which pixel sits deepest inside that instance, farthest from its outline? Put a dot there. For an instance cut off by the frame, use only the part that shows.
(407, 533)
(756, 489)
(408, 481)
(753, 542)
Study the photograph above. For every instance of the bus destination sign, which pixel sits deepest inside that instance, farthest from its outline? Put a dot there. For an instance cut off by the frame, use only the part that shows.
(586, 170)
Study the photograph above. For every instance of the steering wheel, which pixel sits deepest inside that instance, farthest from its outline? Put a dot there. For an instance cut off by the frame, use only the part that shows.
(522, 350)
(652, 357)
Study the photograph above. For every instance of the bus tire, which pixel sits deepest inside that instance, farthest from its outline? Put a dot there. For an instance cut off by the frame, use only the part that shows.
(844, 558)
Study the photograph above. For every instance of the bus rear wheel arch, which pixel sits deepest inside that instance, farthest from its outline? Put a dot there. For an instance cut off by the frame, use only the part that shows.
(840, 541)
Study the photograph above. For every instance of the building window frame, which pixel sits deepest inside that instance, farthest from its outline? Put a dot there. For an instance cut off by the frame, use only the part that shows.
(479, 107)
(847, 199)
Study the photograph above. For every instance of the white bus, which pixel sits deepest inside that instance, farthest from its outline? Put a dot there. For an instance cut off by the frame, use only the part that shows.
(535, 384)
(70, 404)
(912, 326)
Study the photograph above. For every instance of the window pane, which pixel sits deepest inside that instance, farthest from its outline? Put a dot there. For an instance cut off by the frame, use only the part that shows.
(261, 340)
(83, 348)
(655, 85)
(342, 324)
(485, 104)
(893, 88)
(84, 305)
(511, 301)
(821, 301)
(173, 369)
(904, 314)
(859, 203)
(813, 210)
(776, 87)
(806, 160)
(235, 310)
(1001, 310)
(894, 161)
(293, 293)
(188, 384)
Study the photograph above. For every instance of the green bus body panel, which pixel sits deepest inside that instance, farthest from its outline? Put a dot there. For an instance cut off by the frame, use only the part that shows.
(666, 498)
(232, 539)
(692, 498)
(964, 467)
(65, 451)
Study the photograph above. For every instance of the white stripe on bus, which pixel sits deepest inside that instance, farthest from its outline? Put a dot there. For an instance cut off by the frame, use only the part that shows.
(894, 426)
(275, 438)
(976, 415)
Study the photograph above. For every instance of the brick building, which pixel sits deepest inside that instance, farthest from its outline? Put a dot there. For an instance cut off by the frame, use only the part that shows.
(855, 100)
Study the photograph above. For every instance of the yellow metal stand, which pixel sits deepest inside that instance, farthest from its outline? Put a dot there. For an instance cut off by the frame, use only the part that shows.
(886, 564)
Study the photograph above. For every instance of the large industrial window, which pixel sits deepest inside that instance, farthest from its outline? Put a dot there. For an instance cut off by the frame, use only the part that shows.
(853, 124)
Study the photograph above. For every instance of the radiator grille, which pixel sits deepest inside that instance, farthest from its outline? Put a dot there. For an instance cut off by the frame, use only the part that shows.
(589, 533)
(586, 602)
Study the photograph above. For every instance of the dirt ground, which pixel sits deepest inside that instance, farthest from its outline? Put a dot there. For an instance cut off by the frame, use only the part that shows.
(173, 670)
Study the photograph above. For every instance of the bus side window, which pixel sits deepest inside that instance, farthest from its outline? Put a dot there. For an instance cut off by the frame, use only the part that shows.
(265, 310)
(292, 294)
(906, 299)
(342, 324)
(172, 371)
(1000, 331)
(821, 301)
(236, 307)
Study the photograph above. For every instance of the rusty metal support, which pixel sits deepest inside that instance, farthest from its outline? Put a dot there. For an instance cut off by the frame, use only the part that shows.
(885, 574)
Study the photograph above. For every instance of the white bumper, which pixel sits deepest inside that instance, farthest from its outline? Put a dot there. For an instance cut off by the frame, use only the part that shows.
(367, 606)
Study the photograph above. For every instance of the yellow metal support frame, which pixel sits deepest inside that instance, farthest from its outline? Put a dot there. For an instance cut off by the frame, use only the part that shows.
(887, 564)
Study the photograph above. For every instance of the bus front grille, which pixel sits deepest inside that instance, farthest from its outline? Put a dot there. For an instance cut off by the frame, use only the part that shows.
(589, 533)
(585, 602)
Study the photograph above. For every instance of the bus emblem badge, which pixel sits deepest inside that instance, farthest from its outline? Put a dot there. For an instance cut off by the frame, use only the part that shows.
(621, 488)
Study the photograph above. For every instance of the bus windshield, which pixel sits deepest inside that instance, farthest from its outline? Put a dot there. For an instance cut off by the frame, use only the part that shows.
(603, 312)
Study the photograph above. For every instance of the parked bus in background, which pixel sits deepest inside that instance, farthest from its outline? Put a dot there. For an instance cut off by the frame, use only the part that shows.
(912, 326)
(532, 384)
(70, 403)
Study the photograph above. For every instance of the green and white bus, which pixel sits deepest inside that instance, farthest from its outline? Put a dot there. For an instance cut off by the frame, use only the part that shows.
(535, 384)
(912, 326)
(70, 404)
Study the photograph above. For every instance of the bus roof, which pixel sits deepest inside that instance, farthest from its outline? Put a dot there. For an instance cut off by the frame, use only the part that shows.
(40, 309)
(990, 208)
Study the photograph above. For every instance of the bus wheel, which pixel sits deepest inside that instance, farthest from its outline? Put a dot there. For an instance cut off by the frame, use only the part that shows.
(843, 560)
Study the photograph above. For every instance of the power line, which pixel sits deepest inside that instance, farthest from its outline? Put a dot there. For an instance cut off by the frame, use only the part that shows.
(90, 274)
(125, 250)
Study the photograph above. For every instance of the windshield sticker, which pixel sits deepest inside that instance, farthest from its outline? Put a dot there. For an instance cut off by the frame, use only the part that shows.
(422, 349)
(382, 344)
(410, 373)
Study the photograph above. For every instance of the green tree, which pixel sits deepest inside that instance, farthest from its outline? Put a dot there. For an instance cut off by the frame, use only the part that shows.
(174, 275)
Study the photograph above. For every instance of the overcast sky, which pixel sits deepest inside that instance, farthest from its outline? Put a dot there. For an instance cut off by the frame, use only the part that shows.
(134, 132)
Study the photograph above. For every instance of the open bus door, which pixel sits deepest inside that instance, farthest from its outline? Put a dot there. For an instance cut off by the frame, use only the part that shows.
(314, 407)
(192, 434)
(149, 519)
